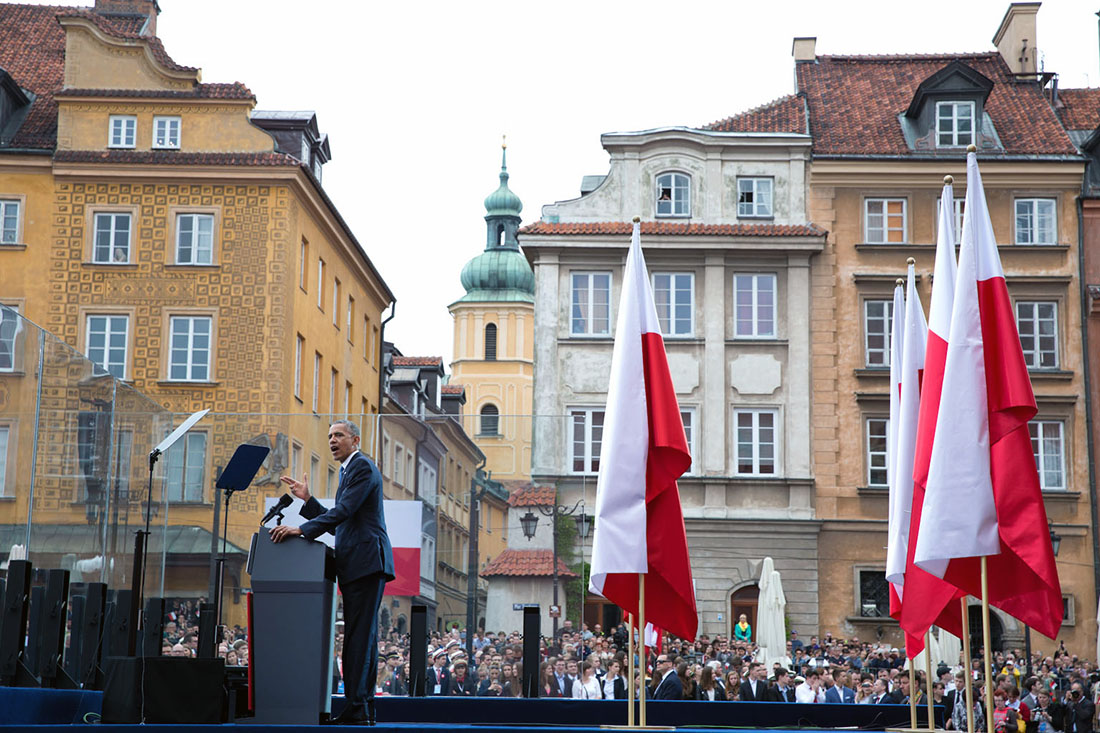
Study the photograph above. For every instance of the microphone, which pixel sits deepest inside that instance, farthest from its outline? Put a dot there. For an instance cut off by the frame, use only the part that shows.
(283, 503)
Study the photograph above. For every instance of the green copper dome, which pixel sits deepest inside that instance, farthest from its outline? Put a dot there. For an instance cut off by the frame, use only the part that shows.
(501, 273)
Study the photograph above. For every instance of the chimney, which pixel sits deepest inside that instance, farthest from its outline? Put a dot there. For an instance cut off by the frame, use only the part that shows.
(148, 9)
(805, 48)
(1015, 38)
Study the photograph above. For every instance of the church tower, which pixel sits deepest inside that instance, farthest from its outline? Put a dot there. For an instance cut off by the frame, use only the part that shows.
(493, 338)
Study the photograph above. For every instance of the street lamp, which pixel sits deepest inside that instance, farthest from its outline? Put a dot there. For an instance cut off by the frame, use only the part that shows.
(1055, 544)
(528, 522)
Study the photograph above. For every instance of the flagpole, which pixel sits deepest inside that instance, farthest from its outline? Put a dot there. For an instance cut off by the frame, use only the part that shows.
(988, 653)
(642, 656)
(913, 690)
(630, 673)
(966, 660)
(928, 678)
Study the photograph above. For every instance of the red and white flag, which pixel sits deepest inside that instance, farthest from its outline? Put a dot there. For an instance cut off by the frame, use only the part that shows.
(930, 598)
(914, 334)
(639, 521)
(983, 496)
(897, 354)
(403, 522)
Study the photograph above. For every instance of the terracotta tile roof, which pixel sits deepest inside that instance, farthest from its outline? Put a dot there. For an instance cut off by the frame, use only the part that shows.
(234, 90)
(526, 562)
(527, 494)
(413, 361)
(1079, 109)
(855, 101)
(786, 114)
(173, 157)
(603, 228)
(454, 389)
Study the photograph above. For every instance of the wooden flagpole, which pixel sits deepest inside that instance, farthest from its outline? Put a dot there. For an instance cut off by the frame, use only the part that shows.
(912, 693)
(642, 656)
(928, 678)
(966, 661)
(988, 652)
(630, 673)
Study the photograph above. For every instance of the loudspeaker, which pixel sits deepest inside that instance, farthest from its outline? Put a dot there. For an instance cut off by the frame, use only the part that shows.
(208, 627)
(95, 608)
(175, 690)
(152, 632)
(532, 632)
(16, 608)
(118, 624)
(418, 651)
(33, 652)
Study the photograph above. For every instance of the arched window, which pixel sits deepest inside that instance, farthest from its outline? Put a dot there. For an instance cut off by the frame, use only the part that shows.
(673, 194)
(491, 342)
(490, 420)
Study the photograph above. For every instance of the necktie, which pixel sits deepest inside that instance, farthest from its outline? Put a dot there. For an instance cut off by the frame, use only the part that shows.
(341, 474)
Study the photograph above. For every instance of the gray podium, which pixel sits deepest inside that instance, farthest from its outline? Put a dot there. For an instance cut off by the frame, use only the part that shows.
(293, 609)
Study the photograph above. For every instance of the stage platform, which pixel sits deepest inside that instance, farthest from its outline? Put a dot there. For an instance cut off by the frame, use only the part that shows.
(46, 711)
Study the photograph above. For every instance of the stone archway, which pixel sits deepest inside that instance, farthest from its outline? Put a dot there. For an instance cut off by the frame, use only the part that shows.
(996, 629)
(744, 600)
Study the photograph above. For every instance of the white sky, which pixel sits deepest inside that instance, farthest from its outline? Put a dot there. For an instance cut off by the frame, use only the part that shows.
(415, 96)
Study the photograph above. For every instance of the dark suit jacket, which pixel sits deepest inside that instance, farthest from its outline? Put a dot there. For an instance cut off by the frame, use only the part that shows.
(719, 692)
(443, 679)
(761, 691)
(467, 687)
(362, 542)
(555, 689)
(671, 688)
(620, 688)
(1079, 716)
(777, 695)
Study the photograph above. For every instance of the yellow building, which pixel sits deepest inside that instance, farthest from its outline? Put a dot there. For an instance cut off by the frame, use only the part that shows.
(184, 243)
(494, 339)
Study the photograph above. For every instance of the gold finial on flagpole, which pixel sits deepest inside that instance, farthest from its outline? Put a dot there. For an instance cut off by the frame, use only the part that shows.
(637, 219)
(911, 261)
(504, 142)
(971, 148)
(899, 282)
(948, 180)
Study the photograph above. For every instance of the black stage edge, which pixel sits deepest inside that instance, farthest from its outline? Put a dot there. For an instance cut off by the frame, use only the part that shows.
(20, 707)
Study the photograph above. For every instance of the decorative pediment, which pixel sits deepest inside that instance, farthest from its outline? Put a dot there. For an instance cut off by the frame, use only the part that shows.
(956, 80)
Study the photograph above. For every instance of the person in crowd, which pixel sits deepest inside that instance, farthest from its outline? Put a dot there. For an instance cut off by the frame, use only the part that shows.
(1049, 714)
(733, 685)
(668, 683)
(492, 685)
(614, 684)
(781, 690)
(810, 689)
(438, 678)
(586, 686)
(1079, 710)
(547, 681)
(462, 684)
(709, 688)
(866, 692)
(563, 683)
(686, 673)
(1000, 711)
(841, 691)
(756, 686)
(742, 631)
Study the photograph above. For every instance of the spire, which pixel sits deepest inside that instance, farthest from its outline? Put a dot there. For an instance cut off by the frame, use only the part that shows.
(503, 202)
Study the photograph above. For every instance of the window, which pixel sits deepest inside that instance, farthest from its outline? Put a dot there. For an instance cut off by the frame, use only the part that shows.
(336, 302)
(399, 464)
(320, 283)
(105, 343)
(166, 132)
(333, 481)
(960, 208)
(428, 487)
(351, 318)
(347, 398)
(10, 327)
(383, 464)
(756, 441)
(954, 124)
(186, 469)
(299, 347)
(491, 342)
(373, 346)
(754, 197)
(587, 435)
(673, 195)
(1050, 459)
(314, 472)
(316, 381)
(427, 558)
(9, 221)
(878, 320)
(884, 221)
(490, 420)
(303, 265)
(367, 339)
(874, 593)
(123, 131)
(190, 349)
(673, 293)
(687, 415)
(112, 239)
(195, 239)
(591, 304)
(1037, 323)
(5, 438)
(1035, 221)
(877, 430)
(754, 306)
(333, 380)
(296, 459)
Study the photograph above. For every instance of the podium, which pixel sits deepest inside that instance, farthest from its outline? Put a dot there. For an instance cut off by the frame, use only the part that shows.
(293, 611)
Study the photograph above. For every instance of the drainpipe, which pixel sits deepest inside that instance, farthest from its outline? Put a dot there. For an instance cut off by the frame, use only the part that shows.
(381, 381)
(473, 559)
(1088, 399)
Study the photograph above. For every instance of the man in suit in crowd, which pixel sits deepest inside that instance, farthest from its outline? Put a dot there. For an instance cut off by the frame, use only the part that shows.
(755, 687)
(364, 560)
(782, 691)
(1079, 710)
(438, 679)
(670, 686)
(841, 691)
(562, 684)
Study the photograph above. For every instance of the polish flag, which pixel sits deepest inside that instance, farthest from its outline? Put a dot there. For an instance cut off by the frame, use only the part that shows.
(639, 521)
(915, 333)
(982, 496)
(930, 598)
(403, 521)
(897, 354)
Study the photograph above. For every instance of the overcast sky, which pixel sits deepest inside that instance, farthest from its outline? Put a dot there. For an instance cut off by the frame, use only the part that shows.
(415, 96)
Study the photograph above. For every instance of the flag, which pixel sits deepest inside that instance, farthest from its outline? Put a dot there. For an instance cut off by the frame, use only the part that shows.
(653, 637)
(930, 598)
(982, 496)
(403, 522)
(639, 521)
(914, 333)
(897, 344)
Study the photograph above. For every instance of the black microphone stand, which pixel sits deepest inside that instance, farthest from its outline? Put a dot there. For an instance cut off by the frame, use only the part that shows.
(141, 547)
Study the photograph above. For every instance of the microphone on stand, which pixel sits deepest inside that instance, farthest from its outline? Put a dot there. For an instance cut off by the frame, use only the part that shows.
(277, 510)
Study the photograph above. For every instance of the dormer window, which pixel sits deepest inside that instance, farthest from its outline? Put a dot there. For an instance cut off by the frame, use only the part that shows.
(954, 124)
(754, 198)
(673, 194)
(166, 133)
(123, 131)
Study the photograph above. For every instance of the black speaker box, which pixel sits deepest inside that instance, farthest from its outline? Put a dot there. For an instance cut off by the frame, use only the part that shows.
(176, 690)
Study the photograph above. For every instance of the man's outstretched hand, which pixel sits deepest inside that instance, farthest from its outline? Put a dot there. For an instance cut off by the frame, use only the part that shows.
(300, 489)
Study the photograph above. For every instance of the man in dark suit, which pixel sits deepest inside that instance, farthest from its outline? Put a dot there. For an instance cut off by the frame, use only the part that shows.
(364, 560)
(755, 688)
(782, 691)
(1079, 710)
(670, 687)
(438, 678)
(561, 684)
